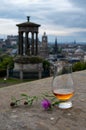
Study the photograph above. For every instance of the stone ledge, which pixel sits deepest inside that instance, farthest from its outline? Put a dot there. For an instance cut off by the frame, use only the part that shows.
(35, 118)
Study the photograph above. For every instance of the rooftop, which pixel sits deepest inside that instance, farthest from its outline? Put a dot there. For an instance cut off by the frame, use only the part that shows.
(28, 24)
(34, 117)
(79, 50)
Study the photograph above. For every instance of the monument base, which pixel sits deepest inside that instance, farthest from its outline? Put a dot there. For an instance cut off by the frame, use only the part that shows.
(27, 71)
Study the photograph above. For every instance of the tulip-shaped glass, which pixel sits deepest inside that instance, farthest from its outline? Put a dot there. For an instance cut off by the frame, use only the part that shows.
(62, 86)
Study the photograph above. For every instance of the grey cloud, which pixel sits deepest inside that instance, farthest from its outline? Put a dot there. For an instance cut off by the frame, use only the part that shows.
(47, 14)
(79, 3)
(67, 19)
(81, 33)
(11, 11)
(75, 19)
(11, 14)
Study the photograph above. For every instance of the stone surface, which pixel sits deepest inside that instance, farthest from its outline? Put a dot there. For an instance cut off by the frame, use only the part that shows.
(28, 67)
(34, 117)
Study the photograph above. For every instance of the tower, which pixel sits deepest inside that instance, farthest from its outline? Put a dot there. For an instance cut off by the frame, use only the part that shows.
(44, 40)
(55, 46)
(44, 46)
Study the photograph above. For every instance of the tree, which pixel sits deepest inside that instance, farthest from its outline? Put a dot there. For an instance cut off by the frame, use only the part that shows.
(79, 66)
(6, 61)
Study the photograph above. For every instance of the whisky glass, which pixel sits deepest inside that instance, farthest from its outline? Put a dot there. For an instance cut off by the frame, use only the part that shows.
(63, 86)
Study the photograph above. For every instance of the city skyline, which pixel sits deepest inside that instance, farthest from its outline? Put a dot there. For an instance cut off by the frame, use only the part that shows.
(64, 19)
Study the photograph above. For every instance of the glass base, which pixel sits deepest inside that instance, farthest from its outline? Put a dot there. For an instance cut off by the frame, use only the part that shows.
(65, 105)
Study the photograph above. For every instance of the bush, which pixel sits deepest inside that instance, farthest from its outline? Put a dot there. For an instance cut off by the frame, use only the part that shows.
(27, 59)
(6, 61)
(35, 60)
(2, 73)
(46, 65)
(79, 66)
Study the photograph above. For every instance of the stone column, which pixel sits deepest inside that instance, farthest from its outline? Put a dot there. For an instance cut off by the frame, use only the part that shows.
(26, 43)
(32, 43)
(21, 43)
(36, 43)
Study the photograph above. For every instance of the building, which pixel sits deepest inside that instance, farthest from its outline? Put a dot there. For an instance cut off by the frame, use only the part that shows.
(56, 47)
(12, 40)
(43, 49)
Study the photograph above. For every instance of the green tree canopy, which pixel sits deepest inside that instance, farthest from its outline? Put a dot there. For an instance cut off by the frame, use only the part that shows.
(6, 61)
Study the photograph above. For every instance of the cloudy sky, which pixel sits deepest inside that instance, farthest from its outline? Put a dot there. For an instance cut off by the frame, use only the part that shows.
(64, 19)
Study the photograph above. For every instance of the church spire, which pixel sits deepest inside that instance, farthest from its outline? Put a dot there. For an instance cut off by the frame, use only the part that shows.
(56, 40)
(55, 46)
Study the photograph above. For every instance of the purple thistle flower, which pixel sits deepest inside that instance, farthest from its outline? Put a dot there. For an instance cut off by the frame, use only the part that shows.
(46, 104)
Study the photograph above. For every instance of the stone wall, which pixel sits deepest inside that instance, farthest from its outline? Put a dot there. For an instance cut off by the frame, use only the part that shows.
(28, 67)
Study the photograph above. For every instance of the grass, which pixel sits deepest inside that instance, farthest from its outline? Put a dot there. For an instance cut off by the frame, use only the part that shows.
(12, 81)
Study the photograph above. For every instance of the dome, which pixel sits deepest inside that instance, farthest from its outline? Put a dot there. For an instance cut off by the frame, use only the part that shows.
(79, 50)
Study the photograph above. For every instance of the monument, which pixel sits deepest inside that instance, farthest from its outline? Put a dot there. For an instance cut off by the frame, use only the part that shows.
(28, 50)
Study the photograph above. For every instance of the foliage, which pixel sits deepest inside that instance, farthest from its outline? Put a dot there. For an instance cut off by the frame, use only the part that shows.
(48, 101)
(6, 61)
(46, 64)
(28, 100)
(35, 60)
(2, 72)
(28, 59)
(79, 66)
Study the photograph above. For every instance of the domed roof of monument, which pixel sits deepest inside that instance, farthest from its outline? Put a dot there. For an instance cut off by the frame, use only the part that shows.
(79, 50)
(28, 23)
